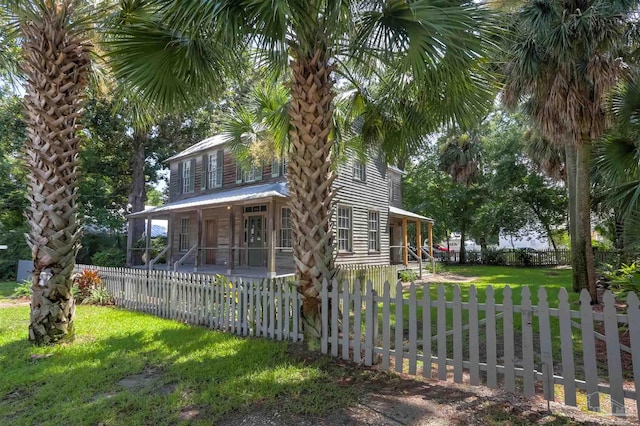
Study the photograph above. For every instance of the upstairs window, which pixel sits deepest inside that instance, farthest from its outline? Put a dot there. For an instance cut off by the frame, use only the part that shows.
(213, 169)
(248, 174)
(359, 170)
(279, 167)
(188, 176)
(286, 232)
(344, 228)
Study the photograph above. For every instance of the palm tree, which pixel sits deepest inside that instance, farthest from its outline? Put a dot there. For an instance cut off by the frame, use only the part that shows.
(436, 46)
(56, 66)
(563, 60)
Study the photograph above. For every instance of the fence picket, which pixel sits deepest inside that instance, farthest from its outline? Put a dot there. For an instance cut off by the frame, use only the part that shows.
(474, 344)
(442, 336)
(399, 329)
(633, 310)
(278, 306)
(287, 310)
(346, 310)
(335, 302)
(589, 351)
(527, 343)
(413, 330)
(357, 323)
(546, 348)
(614, 365)
(426, 330)
(265, 307)
(566, 342)
(457, 335)
(369, 324)
(324, 295)
(492, 372)
(507, 323)
(386, 326)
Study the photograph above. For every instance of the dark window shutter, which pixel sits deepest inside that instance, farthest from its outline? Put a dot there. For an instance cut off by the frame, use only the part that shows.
(193, 175)
(205, 168)
(179, 180)
(220, 168)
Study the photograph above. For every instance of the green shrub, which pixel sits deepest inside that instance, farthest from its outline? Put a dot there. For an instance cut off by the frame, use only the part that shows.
(22, 290)
(623, 279)
(98, 296)
(493, 256)
(109, 257)
(84, 282)
(524, 256)
(407, 275)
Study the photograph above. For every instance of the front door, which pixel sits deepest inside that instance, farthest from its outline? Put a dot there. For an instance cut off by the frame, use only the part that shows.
(211, 241)
(255, 240)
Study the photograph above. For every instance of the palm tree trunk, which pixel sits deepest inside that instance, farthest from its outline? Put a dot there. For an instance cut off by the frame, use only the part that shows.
(571, 159)
(56, 63)
(583, 227)
(310, 185)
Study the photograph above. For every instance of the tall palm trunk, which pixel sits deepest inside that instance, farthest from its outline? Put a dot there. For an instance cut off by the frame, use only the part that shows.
(56, 63)
(587, 275)
(570, 154)
(310, 184)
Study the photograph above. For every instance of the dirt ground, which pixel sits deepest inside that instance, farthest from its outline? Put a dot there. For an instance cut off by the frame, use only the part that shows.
(395, 399)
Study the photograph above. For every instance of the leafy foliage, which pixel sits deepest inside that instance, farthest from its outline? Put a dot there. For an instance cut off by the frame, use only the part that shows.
(407, 275)
(623, 279)
(85, 282)
(109, 257)
(22, 290)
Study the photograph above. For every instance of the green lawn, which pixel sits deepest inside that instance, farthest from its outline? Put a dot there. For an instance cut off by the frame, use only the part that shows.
(131, 368)
(6, 289)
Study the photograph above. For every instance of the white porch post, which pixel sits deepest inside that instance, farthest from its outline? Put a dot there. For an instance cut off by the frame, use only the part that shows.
(271, 266)
(147, 244)
(198, 260)
(170, 241)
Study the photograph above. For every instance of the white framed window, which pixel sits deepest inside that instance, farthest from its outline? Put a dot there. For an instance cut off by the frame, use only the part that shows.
(286, 232)
(185, 227)
(344, 228)
(214, 170)
(374, 230)
(359, 170)
(187, 177)
(251, 174)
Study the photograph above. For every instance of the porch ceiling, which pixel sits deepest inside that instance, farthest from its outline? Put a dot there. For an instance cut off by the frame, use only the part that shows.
(254, 192)
(397, 212)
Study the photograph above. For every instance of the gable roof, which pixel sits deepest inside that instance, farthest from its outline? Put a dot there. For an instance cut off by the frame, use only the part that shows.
(203, 145)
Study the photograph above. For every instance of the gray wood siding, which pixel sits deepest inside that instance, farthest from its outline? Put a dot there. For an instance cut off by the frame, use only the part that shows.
(228, 176)
(372, 194)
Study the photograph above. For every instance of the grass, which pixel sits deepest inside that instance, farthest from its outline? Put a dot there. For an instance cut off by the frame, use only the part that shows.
(132, 368)
(6, 289)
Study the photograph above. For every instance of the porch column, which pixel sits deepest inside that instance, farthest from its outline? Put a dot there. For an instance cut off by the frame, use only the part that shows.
(170, 241)
(405, 241)
(419, 238)
(232, 238)
(271, 263)
(147, 244)
(199, 240)
(430, 230)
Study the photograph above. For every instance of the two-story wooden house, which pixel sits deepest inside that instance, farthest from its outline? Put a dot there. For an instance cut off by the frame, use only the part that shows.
(225, 218)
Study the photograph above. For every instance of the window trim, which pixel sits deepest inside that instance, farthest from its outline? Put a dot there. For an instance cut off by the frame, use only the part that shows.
(214, 173)
(370, 231)
(188, 186)
(349, 229)
(359, 171)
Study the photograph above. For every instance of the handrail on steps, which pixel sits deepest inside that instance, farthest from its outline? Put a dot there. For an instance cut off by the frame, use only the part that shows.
(155, 259)
(183, 258)
(414, 254)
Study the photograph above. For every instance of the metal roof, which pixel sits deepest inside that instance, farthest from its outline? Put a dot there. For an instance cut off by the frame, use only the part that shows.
(203, 145)
(252, 192)
(395, 211)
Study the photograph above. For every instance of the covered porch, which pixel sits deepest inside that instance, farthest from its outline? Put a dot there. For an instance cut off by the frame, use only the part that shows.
(240, 232)
(401, 251)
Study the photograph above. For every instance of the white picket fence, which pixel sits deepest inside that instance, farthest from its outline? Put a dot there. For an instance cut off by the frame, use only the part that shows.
(377, 274)
(267, 308)
(474, 341)
(444, 336)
